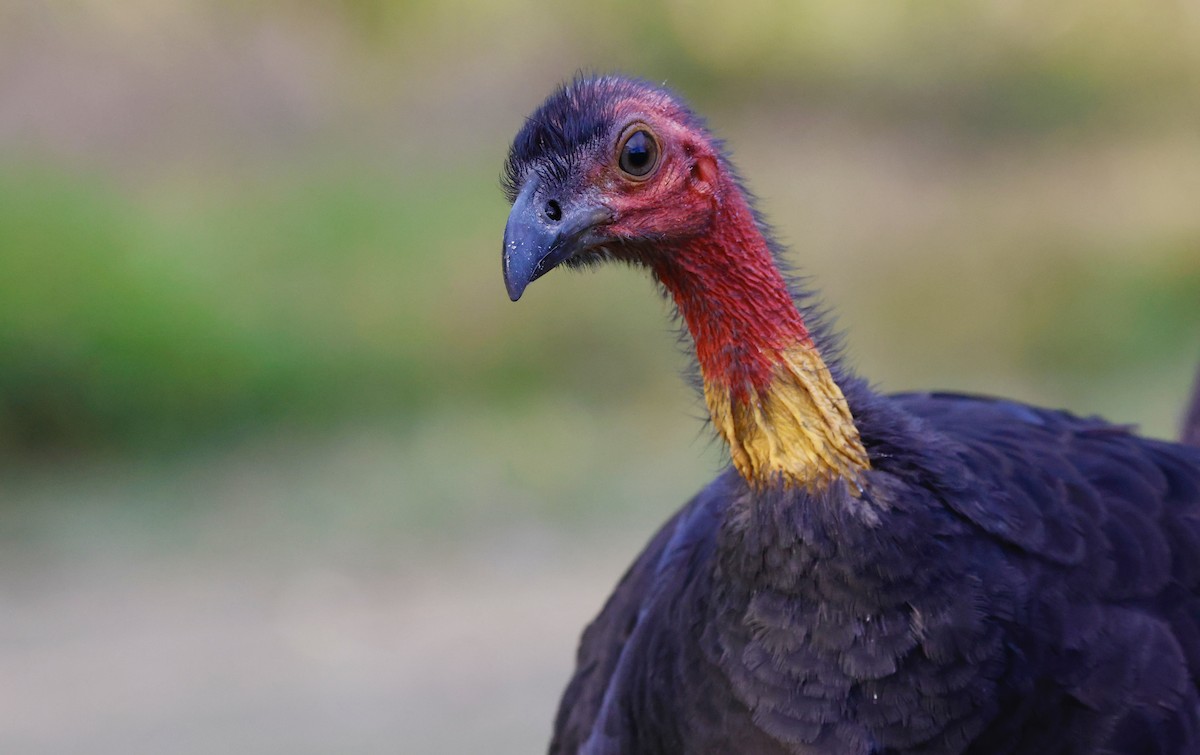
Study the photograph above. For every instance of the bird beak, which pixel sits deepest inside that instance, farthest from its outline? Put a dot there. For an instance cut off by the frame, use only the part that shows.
(542, 234)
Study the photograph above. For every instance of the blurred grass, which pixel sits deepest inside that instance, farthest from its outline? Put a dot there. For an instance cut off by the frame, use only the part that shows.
(131, 324)
(126, 323)
(299, 253)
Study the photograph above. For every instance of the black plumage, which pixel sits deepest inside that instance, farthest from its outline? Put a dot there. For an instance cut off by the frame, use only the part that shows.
(1008, 579)
(1027, 582)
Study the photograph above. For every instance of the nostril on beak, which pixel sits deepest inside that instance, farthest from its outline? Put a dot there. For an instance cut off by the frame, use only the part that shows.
(553, 210)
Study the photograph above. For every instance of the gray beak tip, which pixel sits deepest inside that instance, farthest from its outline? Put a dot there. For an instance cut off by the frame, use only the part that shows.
(534, 243)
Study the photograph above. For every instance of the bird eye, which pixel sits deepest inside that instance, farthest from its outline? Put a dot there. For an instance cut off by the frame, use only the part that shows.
(638, 153)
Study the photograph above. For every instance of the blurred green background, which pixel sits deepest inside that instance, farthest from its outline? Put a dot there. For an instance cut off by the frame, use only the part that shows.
(282, 470)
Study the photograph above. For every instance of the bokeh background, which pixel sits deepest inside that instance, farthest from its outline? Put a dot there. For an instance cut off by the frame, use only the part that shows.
(284, 471)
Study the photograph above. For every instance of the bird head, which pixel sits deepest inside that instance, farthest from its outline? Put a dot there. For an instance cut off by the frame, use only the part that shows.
(616, 168)
(607, 167)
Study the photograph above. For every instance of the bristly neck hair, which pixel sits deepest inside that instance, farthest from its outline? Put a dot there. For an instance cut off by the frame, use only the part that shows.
(770, 370)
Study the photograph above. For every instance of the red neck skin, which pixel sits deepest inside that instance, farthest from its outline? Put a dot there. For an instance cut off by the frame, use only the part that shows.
(770, 395)
(733, 298)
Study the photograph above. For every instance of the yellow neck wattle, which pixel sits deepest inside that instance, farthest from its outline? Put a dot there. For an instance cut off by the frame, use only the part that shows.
(797, 430)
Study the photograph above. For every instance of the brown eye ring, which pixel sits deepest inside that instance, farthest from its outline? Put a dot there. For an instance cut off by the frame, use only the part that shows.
(638, 152)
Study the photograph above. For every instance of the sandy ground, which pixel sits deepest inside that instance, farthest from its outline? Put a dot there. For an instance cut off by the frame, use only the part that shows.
(255, 656)
(226, 631)
(230, 657)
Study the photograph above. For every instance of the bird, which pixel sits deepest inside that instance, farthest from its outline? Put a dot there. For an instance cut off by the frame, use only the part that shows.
(924, 572)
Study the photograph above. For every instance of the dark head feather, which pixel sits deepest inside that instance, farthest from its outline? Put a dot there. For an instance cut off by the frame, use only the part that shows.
(574, 121)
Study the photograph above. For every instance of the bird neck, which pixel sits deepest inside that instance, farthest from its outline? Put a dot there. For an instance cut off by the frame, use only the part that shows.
(771, 395)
